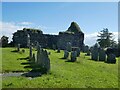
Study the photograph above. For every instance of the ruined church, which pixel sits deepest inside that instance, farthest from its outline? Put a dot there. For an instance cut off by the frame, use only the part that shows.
(73, 34)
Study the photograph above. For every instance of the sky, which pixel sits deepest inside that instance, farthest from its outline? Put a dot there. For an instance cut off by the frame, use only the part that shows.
(53, 17)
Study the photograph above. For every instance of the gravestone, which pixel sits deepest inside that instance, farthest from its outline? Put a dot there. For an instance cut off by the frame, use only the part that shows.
(91, 48)
(33, 58)
(94, 53)
(102, 55)
(58, 51)
(48, 53)
(37, 45)
(54, 47)
(73, 56)
(23, 50)
(39, 50)
(78, 52)
(69, 47)
(88, 53)
(46, 62)
(109, 51)
(86, 49)
(42, 59)
(30, 52)
(28, 40)
(18, 47)
(66, 54)
(111, 58)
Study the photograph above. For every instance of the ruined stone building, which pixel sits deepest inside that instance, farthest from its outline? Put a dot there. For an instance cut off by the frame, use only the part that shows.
(74, 35)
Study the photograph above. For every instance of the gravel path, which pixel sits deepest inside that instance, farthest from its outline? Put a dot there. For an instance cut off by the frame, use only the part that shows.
(26, 74)
(11, 74)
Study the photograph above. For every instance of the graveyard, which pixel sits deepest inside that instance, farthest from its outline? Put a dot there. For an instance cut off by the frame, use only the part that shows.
(59, 45)
(84, 73)
(65, 63)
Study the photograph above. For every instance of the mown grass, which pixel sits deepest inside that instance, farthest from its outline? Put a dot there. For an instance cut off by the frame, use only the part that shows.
(84, 73)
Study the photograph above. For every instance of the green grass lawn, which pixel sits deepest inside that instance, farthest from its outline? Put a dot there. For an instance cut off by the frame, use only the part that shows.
(84, 73)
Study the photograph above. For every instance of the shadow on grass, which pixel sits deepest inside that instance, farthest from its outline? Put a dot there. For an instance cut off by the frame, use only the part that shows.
(25, 63)
(70, 61)
(15, 51)
(97, 60)
(93, 60)
(57, 52)
(32, 74)
(27, 58)
(66, 60)
(90, 59)
(28, 66)
(62, 58)
(36, 71)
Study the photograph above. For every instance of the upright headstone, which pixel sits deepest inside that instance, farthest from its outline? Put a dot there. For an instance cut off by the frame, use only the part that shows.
(78, 52)
(94, 53)
(48, 53)
(33, 58)
(37, 45)
(86, 49)
(102, 55)
(73, 56)
(18, 47)
(111, 58)
(39, 50)
(42, 59)
(66, 54)
(30, 52)
(58, 51)
(69, 47)
(54, 47)
(46, 62)
(88, 53)
(23, 50)
(28, 40)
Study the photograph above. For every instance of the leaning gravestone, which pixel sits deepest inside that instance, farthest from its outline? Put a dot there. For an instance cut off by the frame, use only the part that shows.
(73, 56)
(102, 55)
(111, 58)
(42, 59)
(78, 52)
(18, 47)
(69, 47)
(66, 54)
(94, 53)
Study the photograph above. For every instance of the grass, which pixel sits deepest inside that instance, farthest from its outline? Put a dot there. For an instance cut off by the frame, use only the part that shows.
(84, 73)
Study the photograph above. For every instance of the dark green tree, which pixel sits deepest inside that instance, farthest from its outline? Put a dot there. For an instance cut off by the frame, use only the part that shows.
(105, 38)
(4, 41)
(119, 47)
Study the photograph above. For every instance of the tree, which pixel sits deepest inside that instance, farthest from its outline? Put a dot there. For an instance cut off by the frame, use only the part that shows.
(118, 47)
(4, 41)
(105, 38)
